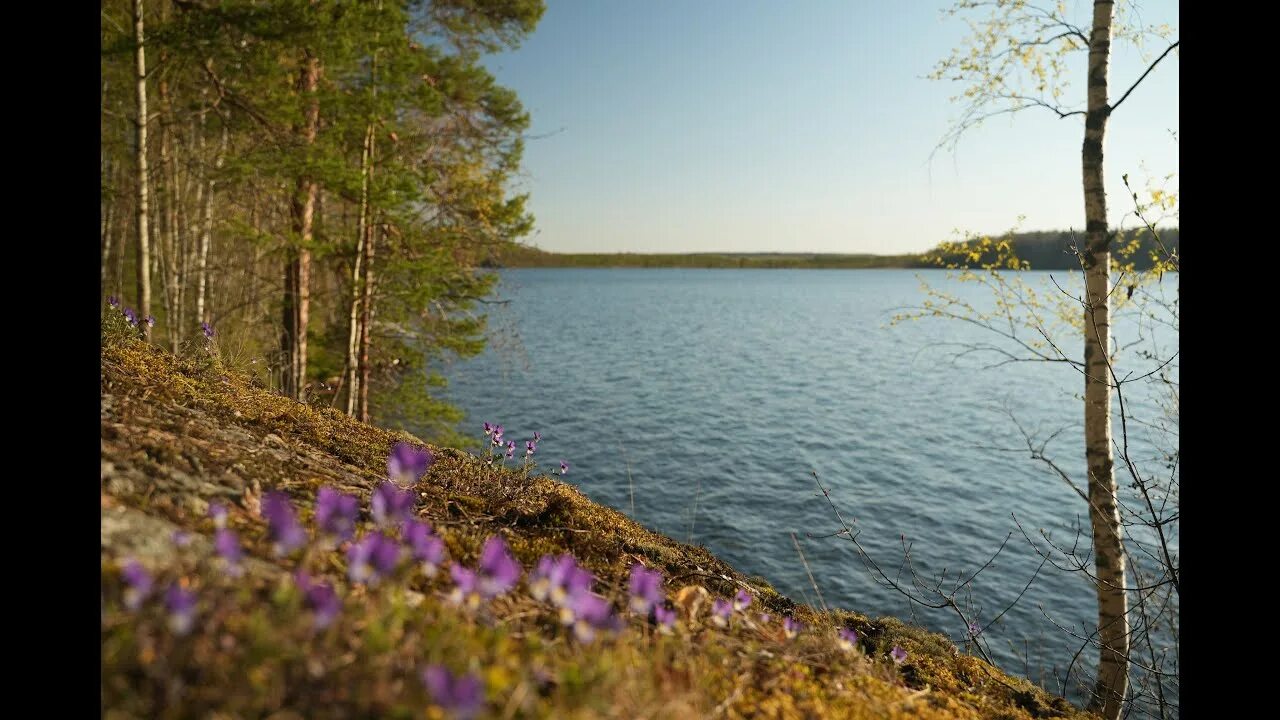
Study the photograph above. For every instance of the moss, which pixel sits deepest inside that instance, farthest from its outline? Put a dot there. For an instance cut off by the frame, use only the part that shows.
(180, 432)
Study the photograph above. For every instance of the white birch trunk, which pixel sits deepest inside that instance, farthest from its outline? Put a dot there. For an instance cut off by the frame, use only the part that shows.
(144, 257)
(1113, 623)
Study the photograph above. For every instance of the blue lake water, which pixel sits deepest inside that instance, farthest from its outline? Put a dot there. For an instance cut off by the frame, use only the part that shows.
(721, 391)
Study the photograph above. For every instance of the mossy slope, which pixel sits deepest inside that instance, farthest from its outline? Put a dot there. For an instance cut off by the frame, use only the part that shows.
(178, 433)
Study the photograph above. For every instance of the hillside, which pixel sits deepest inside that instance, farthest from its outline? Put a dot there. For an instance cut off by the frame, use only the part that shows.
(214, 638)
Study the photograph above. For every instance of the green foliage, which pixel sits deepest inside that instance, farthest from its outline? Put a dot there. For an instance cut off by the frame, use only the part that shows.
(411, 124)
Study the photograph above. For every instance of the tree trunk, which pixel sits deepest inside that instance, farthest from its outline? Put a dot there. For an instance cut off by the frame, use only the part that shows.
(144, 257)
(1113, 621)
(206, 234)
(298, 266)
(366, 323)
(357, 275)
(108, 225)
(169, 215)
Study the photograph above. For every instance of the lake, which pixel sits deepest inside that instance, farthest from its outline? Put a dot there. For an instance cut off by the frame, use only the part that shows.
(701, 402)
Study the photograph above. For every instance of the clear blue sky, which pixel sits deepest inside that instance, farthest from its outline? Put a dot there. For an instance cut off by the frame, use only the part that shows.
(748, 126)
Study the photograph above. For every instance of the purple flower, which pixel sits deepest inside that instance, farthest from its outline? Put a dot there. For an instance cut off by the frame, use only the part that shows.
(720, 612)
(139, 582)
(466, 587)
(181, 605)
(498, 572)
(336, 513)
(181, 538)
(227, 545)
(426, 547)
(407, 463)
(207, 329)
(537, 436)
(564, 467)
(559, 578)
(529, 448)
(113, 301)
(391, 504)
(975, 629)
(497, 435)
(588, 612)
(741, 600)
(488, 429)
(791, 628)
(765, 618)
(282, 523)
(131, 316)
(646, 589)
(847, 639)
(151, 320)
(320, 598)
(665, 617)
(511, 449)
(218, 512)
(898, 654)
(372, 558)
(461, 695)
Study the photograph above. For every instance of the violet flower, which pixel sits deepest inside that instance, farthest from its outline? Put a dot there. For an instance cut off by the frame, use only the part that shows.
(113, 301)
(847, 639)
(372, 558)
(425, 546)
(320, 598)
(462, 695)
(765, 618)
(645, 587)
(721, 610)
(564, 467)
(181, 605)
(130, 316)
(529, 448)
(898, 654)
(589, 613)
(537, 436)
(407, 463)
(466, 587)
(282, 523)
(336, 513)
(139, 584)
(498, 572)
(975, 629)
(741, 600)
(791, 628)
(150, 320)
(227, 545)
(218, 512)
(559, 578)
(207, 329)
(488, 429)
(511, 449)
(391, 504)
(665, 617)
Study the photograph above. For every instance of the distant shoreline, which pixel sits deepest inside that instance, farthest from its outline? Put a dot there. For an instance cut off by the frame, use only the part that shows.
(531, 258)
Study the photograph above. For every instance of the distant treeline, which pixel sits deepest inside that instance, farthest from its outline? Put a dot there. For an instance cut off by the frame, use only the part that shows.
(518, 256)
(1044, 250)
(1052, 249)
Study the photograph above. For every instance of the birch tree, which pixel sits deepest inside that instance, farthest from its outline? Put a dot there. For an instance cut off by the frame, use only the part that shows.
(1017, 59)
(143, 241)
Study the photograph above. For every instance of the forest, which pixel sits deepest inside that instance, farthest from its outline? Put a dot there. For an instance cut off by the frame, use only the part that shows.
(319, 183)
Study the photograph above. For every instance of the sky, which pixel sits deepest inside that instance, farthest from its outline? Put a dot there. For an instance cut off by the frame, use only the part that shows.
(800, 126)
